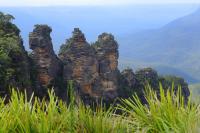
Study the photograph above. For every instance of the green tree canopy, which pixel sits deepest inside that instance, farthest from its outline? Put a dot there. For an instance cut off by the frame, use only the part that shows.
(5, 18)
(12, 55)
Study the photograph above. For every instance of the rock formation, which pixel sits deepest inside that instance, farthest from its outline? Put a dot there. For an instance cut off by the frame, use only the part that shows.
(107, 55)
(148, 76)
(128, 78)
(127, 83)
(48, 68)
(131, 83)
(80, 65)
(92, 68)
(167, 81)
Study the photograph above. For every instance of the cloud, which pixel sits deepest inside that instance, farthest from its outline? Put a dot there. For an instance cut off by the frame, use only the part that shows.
(87, 2)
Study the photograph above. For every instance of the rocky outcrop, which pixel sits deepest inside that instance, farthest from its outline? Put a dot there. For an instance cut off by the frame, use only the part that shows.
(167, 81)
(147, 76)
(128, 78)
(47, 67)
(131, 83)
(80, 65)
(127, 83)
(107, 55)
(93, 68)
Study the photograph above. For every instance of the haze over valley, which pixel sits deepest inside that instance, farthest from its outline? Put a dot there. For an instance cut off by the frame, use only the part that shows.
(164, 37)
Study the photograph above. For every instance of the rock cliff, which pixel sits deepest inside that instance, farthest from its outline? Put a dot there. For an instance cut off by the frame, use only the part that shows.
(80, 65)
(47, 67)
(131, 83)
(107, 55)
(128, 78)
(93, 68)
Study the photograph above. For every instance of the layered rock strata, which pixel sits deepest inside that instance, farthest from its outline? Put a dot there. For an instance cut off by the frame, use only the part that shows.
(48, 68)
(107, 55)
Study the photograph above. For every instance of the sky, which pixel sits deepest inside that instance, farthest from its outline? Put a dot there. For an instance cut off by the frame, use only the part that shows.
(88, 2)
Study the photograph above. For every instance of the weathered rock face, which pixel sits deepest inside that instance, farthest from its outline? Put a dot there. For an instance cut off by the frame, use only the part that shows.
(129, 78)
(148, 76)
(167, 81)
(107, 55)
(131, 83)
(93, 68)
(127, 83)
(48, 68)
(80, 64)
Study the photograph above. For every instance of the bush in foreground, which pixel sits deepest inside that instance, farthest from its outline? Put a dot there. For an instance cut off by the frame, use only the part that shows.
(165, 112)
(41, 116)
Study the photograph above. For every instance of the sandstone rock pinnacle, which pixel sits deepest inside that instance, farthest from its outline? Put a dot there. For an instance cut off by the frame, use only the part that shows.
(48, 67)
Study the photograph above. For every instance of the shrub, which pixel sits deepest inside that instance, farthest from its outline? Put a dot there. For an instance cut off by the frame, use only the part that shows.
(164, 112)
(53, 115)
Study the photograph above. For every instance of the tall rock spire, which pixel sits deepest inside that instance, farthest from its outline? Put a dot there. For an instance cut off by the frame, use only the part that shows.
(107, 55)
(48, 67)
(80, 64)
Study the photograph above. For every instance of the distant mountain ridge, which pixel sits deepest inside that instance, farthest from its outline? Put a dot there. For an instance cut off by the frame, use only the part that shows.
(93, 21)
(176, 44)
(123, 22)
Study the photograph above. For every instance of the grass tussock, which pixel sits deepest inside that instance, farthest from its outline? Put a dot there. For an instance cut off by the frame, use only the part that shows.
(164, 113)
(36, 116)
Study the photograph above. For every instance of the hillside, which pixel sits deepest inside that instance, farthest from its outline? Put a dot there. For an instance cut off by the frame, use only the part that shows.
(175, 44)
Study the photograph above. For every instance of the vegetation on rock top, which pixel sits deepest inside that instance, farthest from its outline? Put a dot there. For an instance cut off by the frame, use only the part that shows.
(13, 58)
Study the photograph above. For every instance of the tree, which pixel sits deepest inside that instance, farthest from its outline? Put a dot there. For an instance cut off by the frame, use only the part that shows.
(6, 18)
(13, 58)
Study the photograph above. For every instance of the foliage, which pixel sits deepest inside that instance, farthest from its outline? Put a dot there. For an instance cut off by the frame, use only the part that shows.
(168, 79)
(164, 113)
(53, 115)
(66, 46)
(6, 17)
(148, 76)
(12, 54)
(95, 45)
(7, 28)
(143, 77)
